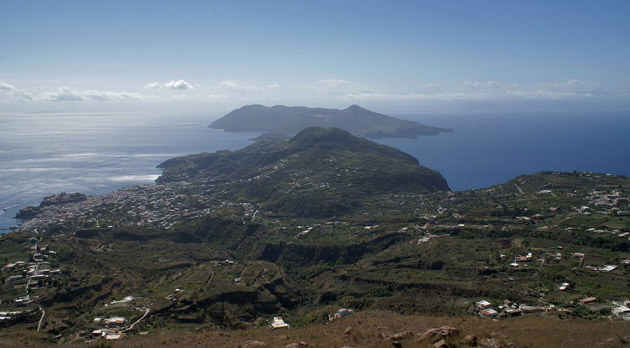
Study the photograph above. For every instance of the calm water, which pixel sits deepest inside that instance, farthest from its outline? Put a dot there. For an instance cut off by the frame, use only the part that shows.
(44, 154)
(486, 149)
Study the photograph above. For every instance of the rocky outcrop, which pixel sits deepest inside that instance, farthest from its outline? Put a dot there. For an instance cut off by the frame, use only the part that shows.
(436, 334)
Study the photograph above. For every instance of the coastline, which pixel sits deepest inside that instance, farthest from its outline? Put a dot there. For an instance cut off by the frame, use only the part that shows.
(475, 156)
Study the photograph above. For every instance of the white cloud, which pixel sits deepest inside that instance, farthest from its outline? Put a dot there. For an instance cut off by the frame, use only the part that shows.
(576, 84)
(340, 87)
(406, 96)
(474, 90)
(578, 87)
(552, 90)
(573, 88)
(245, 87)
(352, 91)
(544, 94)
(153, 85)
(493, 84)
(179, 84)
(349, 91)
(112, 96)
(66, 94)
(475, 85)
(322, 92)
(11, 94)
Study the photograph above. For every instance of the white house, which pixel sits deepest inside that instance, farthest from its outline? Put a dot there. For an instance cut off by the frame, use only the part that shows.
(278, 323)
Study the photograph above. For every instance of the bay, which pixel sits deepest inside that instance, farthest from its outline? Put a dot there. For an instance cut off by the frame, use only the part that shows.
(491, 148)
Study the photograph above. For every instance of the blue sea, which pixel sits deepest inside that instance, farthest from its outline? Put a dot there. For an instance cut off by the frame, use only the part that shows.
(95, 153)
(488, 149)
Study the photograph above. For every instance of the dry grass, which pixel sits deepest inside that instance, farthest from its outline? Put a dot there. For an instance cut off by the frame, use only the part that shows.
(369, 329)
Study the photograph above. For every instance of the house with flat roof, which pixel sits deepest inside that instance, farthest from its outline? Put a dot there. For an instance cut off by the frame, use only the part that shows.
(278, 323)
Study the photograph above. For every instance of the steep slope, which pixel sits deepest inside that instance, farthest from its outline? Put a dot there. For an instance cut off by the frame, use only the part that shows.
(291, 120)
(319, 172)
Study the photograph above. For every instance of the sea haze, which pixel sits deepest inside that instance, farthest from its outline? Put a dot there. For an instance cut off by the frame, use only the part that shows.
(44, 154)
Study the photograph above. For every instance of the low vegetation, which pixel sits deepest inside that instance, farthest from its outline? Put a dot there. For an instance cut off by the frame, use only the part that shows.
(209, 256)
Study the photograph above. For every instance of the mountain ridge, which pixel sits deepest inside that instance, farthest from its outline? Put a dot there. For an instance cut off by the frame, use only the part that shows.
(292, 119)
(328, 168)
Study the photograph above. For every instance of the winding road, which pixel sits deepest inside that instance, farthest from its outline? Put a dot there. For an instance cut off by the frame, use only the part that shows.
(41, 320)
(147, 310)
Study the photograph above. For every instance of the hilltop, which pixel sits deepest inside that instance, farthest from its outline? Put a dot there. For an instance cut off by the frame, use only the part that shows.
(319, 172)
(292, 119)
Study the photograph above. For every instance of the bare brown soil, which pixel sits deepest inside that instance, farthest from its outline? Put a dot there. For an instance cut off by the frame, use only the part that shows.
(370, 329)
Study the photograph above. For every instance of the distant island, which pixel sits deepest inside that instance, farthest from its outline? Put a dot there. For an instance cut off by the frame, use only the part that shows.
(290, 120)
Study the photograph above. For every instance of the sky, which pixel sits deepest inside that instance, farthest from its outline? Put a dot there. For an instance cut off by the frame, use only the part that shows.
(390, 56)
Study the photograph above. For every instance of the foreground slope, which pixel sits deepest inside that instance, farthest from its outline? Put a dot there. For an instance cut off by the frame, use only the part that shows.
(292, 119)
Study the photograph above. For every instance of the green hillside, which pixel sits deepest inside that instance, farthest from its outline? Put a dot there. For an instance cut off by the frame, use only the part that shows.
(304, 226)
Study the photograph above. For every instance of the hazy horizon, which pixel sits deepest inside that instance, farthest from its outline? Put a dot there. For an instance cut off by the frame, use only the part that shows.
(407, 57)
